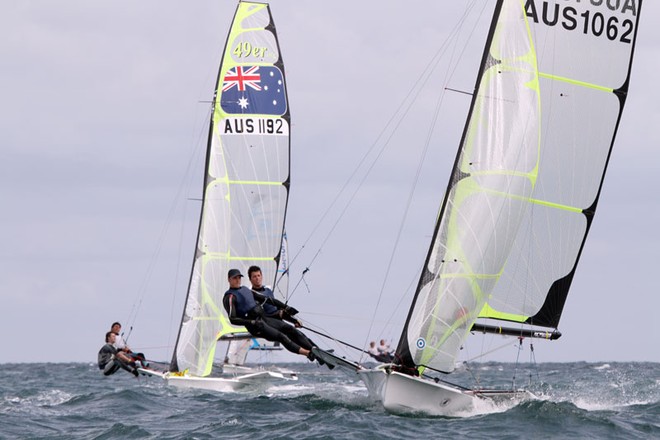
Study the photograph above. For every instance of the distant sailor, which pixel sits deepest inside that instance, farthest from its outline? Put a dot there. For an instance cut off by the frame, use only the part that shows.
(385, 351)
(247, 308)
(373, 350)
(377, 354)
(110, 359)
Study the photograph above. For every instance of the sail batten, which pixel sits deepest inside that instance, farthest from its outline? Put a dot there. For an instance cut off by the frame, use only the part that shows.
(576, 82)
(527, 176)
(246, 185)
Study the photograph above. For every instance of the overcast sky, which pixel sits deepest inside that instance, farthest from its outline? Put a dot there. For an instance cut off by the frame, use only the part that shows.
(103, 130)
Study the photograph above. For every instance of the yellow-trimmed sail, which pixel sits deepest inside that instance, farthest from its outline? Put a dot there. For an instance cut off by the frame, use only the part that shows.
(528, 174)
(246, 184)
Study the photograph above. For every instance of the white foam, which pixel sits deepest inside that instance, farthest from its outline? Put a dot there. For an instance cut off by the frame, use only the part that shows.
(42, 399)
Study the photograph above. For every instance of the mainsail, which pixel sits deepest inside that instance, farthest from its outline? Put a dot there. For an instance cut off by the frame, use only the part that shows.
(527, 177)
(246, 184)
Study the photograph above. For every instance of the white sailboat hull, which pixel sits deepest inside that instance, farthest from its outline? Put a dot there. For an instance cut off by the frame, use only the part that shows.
(401, 393)
(248, 382)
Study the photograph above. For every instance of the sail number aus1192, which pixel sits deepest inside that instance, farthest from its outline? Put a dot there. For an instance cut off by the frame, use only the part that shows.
(259, 126)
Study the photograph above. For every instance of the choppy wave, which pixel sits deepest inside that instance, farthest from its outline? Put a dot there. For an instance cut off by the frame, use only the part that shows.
(576, 400)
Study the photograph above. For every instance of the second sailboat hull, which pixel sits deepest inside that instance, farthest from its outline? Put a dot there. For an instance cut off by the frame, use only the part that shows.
(402, 393)
(258, 381)
(243, 370)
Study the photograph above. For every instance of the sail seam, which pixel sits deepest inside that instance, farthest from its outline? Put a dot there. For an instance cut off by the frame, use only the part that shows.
(252, 182)
(250, 258)
(576, 82)
(534, 201)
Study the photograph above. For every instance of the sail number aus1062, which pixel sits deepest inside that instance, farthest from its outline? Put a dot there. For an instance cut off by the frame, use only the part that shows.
(589, 21)
(259, 126)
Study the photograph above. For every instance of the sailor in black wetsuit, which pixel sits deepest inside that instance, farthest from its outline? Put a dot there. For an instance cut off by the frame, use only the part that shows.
(110, 359)
(273, 315)
(245, 307)
(256, 278)
(120, 345)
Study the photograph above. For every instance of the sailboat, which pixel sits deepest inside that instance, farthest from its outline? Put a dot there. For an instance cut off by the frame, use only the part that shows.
(244, 198)
(521, 198)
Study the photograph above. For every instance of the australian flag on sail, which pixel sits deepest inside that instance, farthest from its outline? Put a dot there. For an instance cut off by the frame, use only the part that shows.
(256, 90)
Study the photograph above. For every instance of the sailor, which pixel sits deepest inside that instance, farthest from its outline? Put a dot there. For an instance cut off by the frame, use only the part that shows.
(246, 307)
(120, 342)
(385, 351)
(256, 278)
(375, 352)
(110, 359)
(271, 312)
(120, 345)
(270, 309)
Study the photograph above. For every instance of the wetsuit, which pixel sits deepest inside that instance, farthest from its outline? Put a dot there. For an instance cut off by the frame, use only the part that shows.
(269, 309)
(120, 345)
(110, 363)
(247, 309)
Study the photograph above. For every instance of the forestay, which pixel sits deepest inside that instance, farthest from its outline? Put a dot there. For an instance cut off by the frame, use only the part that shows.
(528, 174)
(246, 184)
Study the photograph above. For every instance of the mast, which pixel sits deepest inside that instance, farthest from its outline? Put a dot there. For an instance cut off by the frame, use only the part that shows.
(246, 182)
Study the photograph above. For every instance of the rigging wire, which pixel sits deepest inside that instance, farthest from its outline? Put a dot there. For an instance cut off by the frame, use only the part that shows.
(507, 344)
(184, 184)
(401, 111)
(535, 367)
(197, 136)
(448, 76)
(175, 285)
(339, 341)
(475, 378)
(515, 369)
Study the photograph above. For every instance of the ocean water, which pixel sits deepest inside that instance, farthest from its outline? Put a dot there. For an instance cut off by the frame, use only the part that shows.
(575, 401)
